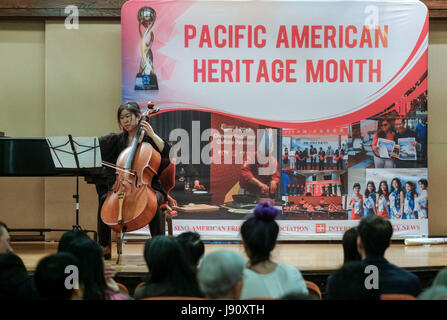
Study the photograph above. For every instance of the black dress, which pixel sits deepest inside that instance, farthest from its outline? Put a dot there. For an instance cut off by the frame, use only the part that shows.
(111, 146)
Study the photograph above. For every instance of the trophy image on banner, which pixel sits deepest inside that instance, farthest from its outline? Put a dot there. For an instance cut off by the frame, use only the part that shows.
(146, 77)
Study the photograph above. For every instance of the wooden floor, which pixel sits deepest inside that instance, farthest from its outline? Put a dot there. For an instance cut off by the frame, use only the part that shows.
(307, 257)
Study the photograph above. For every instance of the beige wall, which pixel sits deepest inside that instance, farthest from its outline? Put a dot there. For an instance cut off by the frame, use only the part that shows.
(55, 81)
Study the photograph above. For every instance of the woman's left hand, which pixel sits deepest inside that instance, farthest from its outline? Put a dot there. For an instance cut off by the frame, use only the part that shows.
(146, 127)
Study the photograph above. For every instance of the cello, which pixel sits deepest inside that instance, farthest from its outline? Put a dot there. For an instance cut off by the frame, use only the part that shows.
(132, 203)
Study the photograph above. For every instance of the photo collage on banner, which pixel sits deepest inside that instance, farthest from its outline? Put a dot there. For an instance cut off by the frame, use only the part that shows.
(302, 111)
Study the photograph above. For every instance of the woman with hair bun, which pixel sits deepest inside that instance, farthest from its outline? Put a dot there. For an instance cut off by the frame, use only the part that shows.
(264, 278)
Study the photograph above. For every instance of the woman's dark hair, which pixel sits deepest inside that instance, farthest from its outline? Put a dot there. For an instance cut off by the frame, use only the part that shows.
(412, 191)
(68, 237)
(192, 245)
(380, 132)
(91, 268)
(424, 182)
(399, 185)
(50, 276)
(356, 185)
(130, 106)
(367, 192)
(350, 252)
(170, 273)
(386, 193)
(260, 232)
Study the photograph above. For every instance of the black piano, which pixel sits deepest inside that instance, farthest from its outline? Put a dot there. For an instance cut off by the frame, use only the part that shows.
(31, 157)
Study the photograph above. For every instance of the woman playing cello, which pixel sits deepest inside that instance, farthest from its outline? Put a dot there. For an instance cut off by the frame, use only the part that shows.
(112, 145)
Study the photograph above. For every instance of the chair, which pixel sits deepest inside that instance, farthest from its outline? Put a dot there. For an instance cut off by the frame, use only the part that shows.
(123, 288)
(167, 179)
(397, 296)
(314, 290)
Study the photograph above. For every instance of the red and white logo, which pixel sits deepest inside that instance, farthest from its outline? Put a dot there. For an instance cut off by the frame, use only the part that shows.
(320, 228)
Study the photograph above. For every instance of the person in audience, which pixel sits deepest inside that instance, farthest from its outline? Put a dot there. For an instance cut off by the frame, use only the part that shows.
(193, 246)
(76, 235)
(68, 237)
(91, 272)
(5, 246)
(50, 277)
(348, 283)
(441, 278)
(396, 198)
(374, 238)
(369, 202)
(220, 275)
(434, 293)
(170, 272)
(264, 278)
(350, 252)
(15, 283)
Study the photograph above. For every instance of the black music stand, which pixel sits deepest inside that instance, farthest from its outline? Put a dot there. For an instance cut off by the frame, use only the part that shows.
(78, 153)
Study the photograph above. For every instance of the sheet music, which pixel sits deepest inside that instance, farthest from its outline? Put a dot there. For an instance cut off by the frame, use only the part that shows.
(87, 150)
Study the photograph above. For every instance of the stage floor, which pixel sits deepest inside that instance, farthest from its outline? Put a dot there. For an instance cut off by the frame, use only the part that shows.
(307, 257)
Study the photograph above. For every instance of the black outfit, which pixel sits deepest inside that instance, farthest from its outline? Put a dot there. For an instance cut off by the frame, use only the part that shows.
(313, 160)
(304, 159)
(392, 280)
(111, 146)
(15, 282)
(408, 133)
(338, 153)
(321, 160)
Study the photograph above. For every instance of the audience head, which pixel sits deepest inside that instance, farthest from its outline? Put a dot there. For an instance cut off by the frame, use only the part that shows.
(259, 233)
(350, 251)
(169, 265)
(193, 246)
(91, 268)
(15, 283)
(441, 278)
(434, 293)
(68, 237)
(220, 275)
(50, 276)
(348, 283)
(374, 236)
(5, 246)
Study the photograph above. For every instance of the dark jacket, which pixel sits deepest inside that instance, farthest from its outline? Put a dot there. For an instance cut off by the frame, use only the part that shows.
(393, 279)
